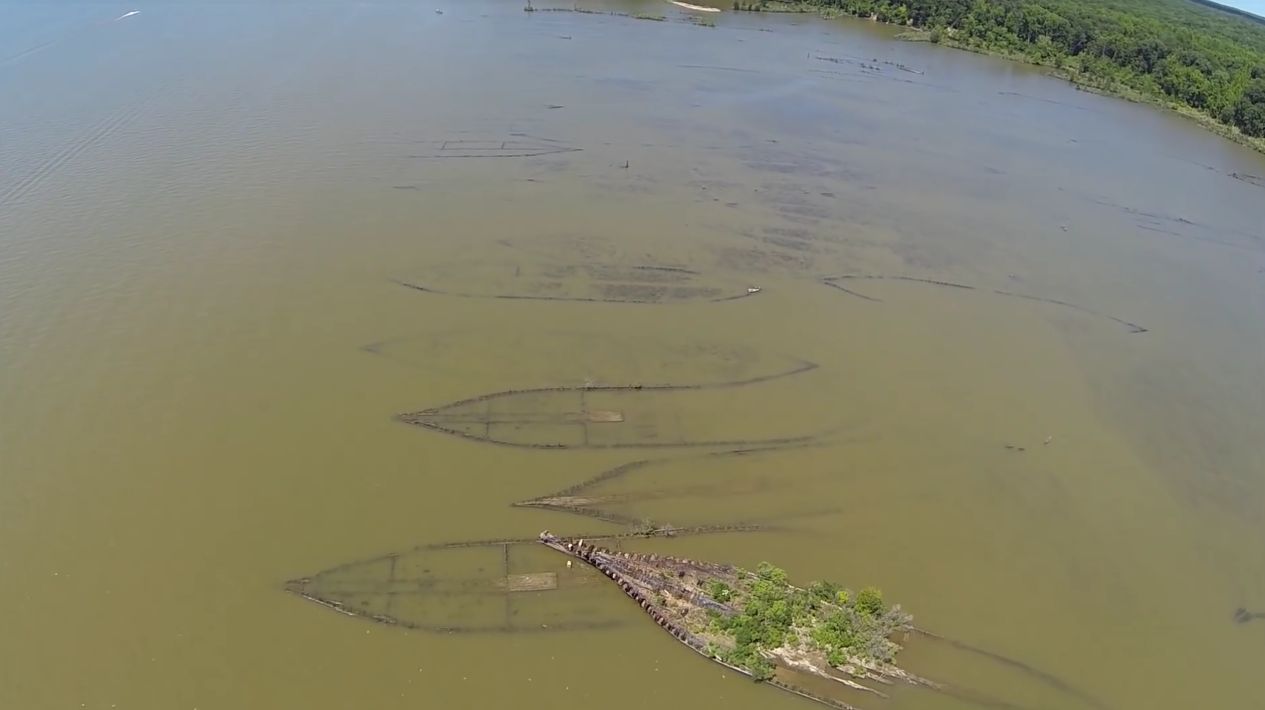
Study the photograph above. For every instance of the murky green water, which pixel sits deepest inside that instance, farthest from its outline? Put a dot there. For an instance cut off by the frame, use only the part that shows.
(205, 211)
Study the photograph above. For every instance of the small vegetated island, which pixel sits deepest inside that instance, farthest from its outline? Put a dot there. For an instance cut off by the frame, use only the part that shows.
(766, 620)
(758, 623)
(1201, 58)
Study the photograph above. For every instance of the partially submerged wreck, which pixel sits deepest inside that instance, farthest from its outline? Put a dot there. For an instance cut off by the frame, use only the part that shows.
(758, 624)
(821, 642)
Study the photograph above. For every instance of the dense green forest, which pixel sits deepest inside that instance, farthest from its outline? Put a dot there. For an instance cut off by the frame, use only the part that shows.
(1195, 56)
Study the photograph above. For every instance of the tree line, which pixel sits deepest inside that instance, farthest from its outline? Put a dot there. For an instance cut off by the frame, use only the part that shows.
(1208, 59)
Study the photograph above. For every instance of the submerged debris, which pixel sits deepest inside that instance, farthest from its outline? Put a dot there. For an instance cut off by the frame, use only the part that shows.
(1242, 615)
(1249, 179)
(512, 146)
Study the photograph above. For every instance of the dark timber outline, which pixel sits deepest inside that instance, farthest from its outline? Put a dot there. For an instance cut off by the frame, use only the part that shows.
(298, 585)
(421, 418)
(575, 299)
(832, 281)
(550, 502)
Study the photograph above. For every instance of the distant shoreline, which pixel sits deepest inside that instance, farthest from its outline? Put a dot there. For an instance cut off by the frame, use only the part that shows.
(1118, 91)
(1071, 69)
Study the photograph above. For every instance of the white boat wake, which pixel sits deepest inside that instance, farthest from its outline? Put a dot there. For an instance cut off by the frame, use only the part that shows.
(696, 8)
(126, 15)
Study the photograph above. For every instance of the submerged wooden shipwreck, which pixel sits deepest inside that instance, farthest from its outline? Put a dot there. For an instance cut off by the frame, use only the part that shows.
(763, 484)
(613, 416)
(495, 586)
(821, 642)
(583, 282)
(758, 624)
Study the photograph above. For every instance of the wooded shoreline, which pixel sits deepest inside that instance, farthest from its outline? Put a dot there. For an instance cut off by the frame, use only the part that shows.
(1205, 63)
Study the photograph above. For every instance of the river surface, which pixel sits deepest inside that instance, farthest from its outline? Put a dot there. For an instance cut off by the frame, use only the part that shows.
(207, 213)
